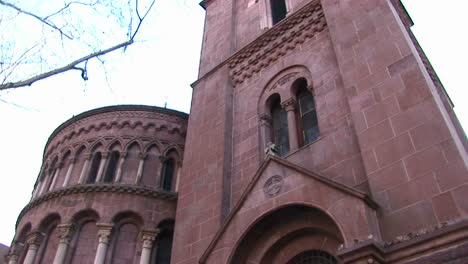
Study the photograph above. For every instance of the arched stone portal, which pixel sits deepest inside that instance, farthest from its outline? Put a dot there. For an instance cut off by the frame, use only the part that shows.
(285, 234)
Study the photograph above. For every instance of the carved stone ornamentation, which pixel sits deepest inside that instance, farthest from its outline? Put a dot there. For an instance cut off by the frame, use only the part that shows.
(273, 186)
(277, 42)
(148, 237)
(289, 105)
(66, 232)
(104, 231)
(283, 80)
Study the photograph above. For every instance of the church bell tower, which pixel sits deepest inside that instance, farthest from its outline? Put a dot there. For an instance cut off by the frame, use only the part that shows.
(319, 130)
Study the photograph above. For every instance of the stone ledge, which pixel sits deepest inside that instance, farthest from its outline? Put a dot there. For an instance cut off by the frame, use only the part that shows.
(99, 188)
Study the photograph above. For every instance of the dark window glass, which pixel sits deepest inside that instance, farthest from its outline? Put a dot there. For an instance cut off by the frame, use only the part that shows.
(164, 248)
(278, 10)
(168, 174)
(280, 128)
(313, 257)
(94, 167)
(308, 116)
(112, 166)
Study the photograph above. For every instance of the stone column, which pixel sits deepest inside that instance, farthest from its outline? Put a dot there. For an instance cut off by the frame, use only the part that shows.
(159, 178)
(265, 130)
(56, 175)
(44, 182)
(15, 252)
(290, 106)
(118, 174)
(104, 231)
(84, 170)
(177, 174)
(102, 165)
(69, 171)
(142, 157)
(148, 237)
(34, 241)
(37, 189)
(65, 235)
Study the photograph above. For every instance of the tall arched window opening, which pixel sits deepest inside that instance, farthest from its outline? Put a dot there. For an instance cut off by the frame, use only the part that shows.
(168, 171)
(279, 121)
(278, 10)
(93, 171)
(163, 249)
(112, 167)
(308, 124)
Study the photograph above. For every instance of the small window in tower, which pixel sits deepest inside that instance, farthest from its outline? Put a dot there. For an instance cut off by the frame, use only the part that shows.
(168, 174)
(279, 121)
(278, 10)
(94, 167)
(112, 167)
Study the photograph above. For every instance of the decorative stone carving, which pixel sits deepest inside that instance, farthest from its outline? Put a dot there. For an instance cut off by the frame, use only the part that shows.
(66, 232)
(104, 231)
(148, 237)
(273, 186)
(283, 80)
(277, 42)
(289, 105)
(265, 119)
(34, 239)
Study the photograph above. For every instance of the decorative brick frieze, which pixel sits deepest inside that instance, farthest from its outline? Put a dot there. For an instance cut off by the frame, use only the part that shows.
(100, 188)
(277, 42)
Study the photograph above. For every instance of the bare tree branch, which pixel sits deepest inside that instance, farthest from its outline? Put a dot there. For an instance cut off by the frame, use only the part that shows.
(97, 43)
(70, 66)
(36, 17)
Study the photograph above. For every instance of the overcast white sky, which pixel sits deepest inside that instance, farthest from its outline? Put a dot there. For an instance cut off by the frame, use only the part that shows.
(161, 69)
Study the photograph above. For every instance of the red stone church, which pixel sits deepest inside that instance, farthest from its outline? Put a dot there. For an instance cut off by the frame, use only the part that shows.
(318, 134)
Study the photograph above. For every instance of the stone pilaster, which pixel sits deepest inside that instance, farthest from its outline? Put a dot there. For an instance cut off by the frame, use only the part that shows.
(84, 170)
(33, 240)
(290, 107)
(69, 171)
(65, 234)
(104, 232)
(142, 157)
(148, 238)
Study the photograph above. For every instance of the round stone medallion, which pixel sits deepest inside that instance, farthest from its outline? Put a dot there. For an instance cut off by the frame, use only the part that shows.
(273, 186)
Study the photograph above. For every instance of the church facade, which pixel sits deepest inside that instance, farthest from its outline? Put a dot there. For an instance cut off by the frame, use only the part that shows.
(318, 133)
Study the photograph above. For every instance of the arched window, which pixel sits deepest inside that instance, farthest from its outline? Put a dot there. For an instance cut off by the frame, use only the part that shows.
(163, 249)
(313, 257)
(93, 171)
(308, 125)
(112, 167)
(278, 10)
(279, 122)
(168, 171)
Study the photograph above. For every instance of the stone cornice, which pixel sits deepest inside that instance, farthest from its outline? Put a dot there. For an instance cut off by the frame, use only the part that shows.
(98, 188)
(277, 42)
(119, 111)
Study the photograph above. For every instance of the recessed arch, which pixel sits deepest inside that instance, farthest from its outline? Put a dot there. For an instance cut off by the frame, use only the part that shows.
(277, 230)
(85, 215)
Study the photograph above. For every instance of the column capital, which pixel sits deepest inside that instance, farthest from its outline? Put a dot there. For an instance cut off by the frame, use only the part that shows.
(88, 156)
(265, 119)
(142, 156)
(289, 105)
(15, 250)
(104, 231)
(148, 237)
(34, 239)
(123, 154)
(66, 232)
(104, 154)
(163, 158)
